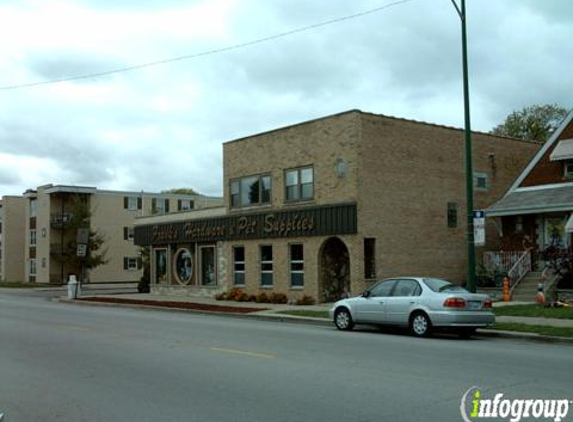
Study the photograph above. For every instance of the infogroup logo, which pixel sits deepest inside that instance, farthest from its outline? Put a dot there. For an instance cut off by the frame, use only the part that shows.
(474, 407)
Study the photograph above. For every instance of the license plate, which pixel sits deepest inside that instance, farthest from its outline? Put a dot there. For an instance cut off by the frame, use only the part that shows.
(473, 305)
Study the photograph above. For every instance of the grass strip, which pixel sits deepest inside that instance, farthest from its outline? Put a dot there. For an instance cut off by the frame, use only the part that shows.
(536, 329)
(534, 310)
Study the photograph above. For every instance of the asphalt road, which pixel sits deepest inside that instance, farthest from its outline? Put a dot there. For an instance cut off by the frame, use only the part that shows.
(61, 362)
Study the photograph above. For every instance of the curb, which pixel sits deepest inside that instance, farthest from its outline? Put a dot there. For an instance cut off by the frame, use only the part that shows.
(265, 316)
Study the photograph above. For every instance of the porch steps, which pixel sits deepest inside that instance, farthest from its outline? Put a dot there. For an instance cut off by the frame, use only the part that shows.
(527, 288)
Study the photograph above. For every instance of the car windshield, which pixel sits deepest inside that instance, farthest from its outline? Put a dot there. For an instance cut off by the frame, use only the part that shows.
(439, 285)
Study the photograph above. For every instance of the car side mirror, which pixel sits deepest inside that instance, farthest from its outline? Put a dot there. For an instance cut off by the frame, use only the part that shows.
(366, 293)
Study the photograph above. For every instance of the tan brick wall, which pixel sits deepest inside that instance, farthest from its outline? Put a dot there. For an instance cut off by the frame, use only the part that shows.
(281, 265)
(319, 143)
(410, 171)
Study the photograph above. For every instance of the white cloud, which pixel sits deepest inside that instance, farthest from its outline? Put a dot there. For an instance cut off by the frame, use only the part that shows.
(162, 127)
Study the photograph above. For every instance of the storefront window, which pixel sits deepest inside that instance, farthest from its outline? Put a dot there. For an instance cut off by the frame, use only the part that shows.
(239, 263)
(296, 265)
(266, 265)
(208, 276)
(161, 266)
(184, 266)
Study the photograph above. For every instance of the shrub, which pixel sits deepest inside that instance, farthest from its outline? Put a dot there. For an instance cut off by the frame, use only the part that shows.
(263, 298)
(306, 300)
(234, 294)
(278, 298)
(252, 298)
(221, 296)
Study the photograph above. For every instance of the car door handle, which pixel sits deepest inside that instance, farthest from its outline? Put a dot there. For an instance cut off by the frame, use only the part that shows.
(381, 303)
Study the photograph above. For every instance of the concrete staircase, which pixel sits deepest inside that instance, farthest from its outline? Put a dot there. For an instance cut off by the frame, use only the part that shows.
(527, 289)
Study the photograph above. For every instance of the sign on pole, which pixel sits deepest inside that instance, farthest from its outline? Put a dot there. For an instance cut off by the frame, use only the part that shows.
(82, 249)
(479, 228)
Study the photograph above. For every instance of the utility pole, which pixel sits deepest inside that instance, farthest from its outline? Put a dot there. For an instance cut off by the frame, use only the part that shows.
(468, 152)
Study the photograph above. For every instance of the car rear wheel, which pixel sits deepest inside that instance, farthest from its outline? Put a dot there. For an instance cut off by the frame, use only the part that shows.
(343, 319)
(420, 324)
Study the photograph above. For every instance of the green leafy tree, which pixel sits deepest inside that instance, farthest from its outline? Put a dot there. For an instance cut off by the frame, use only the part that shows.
(80, 219)
(182, 191)
(536, 122)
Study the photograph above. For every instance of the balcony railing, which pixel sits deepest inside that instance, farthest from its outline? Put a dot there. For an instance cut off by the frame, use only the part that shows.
(61, 220)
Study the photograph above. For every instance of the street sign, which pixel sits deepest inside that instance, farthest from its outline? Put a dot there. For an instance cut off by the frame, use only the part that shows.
(82, 249)
(479, 228)
(83, 236)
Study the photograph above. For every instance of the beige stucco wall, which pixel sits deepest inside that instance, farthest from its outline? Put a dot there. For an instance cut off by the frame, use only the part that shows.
(13, 218)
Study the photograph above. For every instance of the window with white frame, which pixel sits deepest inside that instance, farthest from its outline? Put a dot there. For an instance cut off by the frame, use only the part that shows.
(160, 205)
(239, 265)
(131, 263)
(128, 233)
(32, 266)
(266, 265)
(132, 203)
(32, 237)
(185, 205)
(296, 262)
(299, 184)
(249, 191)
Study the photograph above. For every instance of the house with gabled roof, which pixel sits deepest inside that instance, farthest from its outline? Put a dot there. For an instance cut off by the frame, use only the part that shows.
(537, 210)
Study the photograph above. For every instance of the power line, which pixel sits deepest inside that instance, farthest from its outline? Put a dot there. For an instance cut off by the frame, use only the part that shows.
(205, 53)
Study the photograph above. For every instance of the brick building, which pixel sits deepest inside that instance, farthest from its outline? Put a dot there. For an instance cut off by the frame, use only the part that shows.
(325, 207)
(537, 210)
(38, 230)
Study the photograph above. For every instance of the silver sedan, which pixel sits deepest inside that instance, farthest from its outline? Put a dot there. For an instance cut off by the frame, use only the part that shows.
(421, 304)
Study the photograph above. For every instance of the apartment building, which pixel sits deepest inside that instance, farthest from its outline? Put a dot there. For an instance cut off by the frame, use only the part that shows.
(47, 235)
(12, 230)
(326, 207)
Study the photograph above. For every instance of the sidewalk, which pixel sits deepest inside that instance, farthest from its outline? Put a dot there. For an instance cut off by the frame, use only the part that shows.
(271, 310)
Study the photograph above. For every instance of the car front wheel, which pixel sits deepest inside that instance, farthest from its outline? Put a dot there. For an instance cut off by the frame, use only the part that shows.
(343, 319)
(420, 324)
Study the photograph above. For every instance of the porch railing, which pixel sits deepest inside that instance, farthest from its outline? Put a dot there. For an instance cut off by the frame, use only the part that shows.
(521, 267)
(516, 263)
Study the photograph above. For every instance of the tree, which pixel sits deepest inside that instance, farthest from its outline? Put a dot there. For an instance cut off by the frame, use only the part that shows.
(182, 191)
(536, 122)
(80, 219)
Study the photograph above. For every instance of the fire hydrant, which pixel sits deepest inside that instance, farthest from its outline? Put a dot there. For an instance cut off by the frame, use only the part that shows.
(74, 288)
(506, 289)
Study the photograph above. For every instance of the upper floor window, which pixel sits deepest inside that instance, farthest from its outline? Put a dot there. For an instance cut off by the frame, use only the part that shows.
(251, 190)
(481, 181)
(185, 205)
(299, 184)
(33, 208)
(128, 233)
(32, 237)
(159, 205)
(132, 203)
(452, 215)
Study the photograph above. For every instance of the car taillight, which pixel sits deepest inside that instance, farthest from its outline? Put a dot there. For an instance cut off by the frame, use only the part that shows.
(454, 302)
(487, 304)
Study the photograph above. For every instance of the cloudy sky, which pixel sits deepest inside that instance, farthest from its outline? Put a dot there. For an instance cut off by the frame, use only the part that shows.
(162, 127)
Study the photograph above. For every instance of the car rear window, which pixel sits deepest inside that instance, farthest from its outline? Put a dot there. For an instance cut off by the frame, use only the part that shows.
(439, 285)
